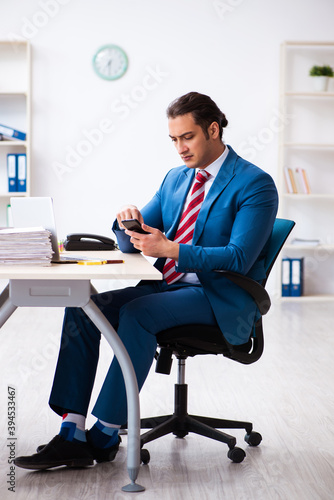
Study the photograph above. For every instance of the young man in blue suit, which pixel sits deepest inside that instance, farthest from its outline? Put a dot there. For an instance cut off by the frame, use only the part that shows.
(231, 232)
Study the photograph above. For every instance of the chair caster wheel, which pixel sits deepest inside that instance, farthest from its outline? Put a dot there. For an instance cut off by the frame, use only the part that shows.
(180, 434)
(145, 456)
(253, 438)
(236, 455)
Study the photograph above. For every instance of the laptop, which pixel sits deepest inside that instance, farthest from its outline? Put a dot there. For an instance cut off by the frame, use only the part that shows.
(38, 211)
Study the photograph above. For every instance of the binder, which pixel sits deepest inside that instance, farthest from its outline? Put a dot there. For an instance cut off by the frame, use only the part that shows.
(288, 183)
(299, 181)
(291, 185)
(11, 172)
(12, 133)
(303, 181)
(22, 172)
(297, 266)
(293, 182)
(286, 274)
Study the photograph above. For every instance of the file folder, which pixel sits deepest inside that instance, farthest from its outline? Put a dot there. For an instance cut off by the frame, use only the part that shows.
(11, 172)
(286, 274)
(21, 172)
(297, 266)
(12, 133)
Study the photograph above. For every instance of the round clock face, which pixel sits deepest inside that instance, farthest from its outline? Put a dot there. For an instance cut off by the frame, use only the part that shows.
(110, 62)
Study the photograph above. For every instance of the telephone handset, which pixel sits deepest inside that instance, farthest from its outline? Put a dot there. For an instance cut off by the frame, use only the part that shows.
(80, 241)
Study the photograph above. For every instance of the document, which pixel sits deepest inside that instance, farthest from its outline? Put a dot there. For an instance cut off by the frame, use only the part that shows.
(29, 245)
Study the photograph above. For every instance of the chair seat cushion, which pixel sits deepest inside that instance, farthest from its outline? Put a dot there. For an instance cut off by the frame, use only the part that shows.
(190, 340)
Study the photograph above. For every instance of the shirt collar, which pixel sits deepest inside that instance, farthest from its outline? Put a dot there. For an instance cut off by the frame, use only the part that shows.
(215, 166)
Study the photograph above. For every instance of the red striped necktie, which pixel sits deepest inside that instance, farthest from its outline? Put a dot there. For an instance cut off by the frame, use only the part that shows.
(185, 231)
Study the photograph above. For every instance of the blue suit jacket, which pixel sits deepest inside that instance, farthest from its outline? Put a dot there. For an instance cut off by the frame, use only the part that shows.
(231, 232)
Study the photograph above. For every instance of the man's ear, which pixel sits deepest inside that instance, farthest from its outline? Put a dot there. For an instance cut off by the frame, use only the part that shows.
(214, 130)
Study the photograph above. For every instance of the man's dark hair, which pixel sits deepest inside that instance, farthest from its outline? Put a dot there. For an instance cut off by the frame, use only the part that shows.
(202, 107)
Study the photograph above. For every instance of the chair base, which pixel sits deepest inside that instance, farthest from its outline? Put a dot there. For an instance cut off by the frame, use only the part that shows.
(180, 423)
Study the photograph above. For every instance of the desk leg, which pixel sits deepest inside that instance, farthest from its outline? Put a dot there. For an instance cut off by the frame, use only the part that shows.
(6, 306)
(133, 456)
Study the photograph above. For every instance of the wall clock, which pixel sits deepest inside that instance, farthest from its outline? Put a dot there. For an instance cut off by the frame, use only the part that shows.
(110, 62)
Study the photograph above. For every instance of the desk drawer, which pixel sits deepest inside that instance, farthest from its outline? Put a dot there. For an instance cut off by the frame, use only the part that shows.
(49, 293)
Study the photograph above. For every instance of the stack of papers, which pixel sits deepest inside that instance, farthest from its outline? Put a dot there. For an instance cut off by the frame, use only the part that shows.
(29, 245)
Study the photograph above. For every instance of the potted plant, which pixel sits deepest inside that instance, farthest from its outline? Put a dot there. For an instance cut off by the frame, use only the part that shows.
(321, 76)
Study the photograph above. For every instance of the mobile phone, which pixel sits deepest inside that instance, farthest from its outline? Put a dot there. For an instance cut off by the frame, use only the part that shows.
(134, 225)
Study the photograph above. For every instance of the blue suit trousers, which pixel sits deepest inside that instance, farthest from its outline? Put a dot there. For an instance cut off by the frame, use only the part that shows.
(137, 314)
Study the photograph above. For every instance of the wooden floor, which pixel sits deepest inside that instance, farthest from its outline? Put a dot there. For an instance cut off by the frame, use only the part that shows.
(288, 395)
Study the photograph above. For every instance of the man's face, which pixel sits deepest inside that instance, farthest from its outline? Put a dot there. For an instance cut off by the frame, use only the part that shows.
(195, 149)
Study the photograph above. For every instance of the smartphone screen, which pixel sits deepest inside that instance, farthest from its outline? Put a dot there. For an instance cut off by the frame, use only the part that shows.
(134, 225)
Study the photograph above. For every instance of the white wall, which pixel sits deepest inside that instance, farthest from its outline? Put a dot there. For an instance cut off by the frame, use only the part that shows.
(228, 49)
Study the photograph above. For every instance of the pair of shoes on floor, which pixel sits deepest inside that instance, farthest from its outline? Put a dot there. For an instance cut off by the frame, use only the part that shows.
(59, 452)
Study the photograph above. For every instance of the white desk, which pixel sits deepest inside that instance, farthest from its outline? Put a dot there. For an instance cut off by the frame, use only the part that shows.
(61, 285)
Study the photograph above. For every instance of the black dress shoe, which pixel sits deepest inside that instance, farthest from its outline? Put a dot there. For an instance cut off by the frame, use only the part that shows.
(99, 454)
(103, 454)
(57, 453)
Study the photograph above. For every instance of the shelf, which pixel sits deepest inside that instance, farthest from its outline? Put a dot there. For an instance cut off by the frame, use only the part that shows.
(308, 45)
(308, 145)
(309, 94)
(307, 142)
(15, 110)
(308, 298)
(8, 143)
(304, 248)
(14, 193)
(13, 92)
(303, 197)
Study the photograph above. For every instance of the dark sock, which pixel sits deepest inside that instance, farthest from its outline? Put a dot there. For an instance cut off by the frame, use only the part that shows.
(104, 435)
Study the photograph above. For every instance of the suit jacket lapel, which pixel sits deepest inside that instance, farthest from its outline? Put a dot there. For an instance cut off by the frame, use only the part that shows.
(224, 177)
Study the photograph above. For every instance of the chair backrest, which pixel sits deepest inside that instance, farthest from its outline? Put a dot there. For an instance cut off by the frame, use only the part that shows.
(190, 343)
(281, 230)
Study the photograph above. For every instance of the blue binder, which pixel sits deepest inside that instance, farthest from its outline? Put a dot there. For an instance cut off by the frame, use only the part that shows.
(286, 277)
(12, 133)
(22, 172)
(297, 268)
(12, 172)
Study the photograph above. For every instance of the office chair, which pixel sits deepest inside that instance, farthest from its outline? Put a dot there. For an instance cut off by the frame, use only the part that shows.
(192, 340)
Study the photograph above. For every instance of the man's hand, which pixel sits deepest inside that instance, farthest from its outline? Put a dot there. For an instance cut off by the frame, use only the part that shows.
(128, 212)
(154, 244)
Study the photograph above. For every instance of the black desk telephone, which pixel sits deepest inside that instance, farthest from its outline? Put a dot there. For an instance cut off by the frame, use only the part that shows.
(78, 241)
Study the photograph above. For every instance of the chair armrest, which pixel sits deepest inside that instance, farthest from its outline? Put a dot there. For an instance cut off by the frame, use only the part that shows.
(257, 291)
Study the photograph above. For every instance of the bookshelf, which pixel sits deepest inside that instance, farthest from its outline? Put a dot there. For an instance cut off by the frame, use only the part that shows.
(306, 141)
(15, 112)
